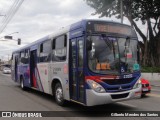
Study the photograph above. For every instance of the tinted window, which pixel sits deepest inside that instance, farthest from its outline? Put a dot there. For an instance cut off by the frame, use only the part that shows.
(73, 54)
(80, 53)
(24, 57)
(22, 54)
(59, 48)
(60, 42)
(45, 48)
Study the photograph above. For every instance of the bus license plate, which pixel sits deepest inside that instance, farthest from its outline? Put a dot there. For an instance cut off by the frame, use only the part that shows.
(145, 89)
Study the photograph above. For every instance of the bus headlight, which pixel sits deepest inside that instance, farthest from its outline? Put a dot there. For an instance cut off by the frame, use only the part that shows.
(95, 86)
(138, 84)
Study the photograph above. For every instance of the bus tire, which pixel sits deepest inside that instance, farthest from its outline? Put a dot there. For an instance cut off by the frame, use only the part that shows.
(58, 93)
(22, 84)
(143, 95)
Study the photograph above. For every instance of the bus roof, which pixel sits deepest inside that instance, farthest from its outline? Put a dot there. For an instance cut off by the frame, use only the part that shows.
(71, 27)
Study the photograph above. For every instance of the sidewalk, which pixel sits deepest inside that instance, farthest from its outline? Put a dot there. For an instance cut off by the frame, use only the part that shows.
(155, 83)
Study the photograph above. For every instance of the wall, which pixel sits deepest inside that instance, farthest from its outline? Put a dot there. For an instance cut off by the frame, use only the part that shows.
(151, 76)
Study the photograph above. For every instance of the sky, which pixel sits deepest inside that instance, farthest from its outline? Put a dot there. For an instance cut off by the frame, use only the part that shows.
(38, 18)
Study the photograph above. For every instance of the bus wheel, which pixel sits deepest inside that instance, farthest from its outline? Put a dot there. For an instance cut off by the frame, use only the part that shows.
(59, 94)
(22, 84)
(143, 95)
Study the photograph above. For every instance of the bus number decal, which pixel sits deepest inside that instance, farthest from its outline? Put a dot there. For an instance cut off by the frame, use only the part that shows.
(55, 70)
(128, 76)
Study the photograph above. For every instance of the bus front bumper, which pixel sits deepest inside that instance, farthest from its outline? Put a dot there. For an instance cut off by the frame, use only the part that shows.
(94, 98)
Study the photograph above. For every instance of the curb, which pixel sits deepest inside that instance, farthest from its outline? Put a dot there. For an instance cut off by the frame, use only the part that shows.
(156, 85)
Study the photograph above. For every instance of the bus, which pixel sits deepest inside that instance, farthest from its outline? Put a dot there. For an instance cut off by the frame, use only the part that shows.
(90, 62)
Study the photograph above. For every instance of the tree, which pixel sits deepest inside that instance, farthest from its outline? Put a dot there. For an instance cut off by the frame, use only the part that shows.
(135, 10)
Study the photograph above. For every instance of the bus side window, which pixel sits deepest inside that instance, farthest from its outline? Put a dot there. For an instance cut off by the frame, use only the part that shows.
(59, 50)
(80, 53)
(45, 48)
(13, 61)
(24, 57)
(41, 48)
(18, 58)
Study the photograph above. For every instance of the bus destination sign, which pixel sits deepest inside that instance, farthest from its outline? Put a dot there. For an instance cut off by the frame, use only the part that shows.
(112, 29)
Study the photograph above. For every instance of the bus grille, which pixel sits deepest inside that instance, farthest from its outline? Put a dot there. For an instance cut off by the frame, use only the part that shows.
(119, 96)
(118, 81)
(117, 88)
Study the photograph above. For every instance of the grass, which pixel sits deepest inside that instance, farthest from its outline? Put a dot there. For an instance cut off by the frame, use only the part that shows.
(145, 69)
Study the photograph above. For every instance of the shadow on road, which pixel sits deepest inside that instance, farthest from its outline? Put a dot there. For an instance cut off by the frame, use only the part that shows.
(145, 97)
(74, 109)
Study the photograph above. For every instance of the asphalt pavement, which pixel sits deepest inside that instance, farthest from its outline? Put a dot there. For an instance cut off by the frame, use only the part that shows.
(12, 98)
(155, 83)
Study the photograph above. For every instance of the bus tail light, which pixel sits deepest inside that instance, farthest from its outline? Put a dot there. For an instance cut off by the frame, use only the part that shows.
(95, 86)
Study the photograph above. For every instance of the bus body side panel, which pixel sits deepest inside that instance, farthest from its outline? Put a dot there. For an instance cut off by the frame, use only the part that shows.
(43, 76)
(23, 71)
(59, 71)
(49, 71)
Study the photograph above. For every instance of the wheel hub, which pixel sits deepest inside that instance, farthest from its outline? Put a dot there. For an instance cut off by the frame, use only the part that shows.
(21, 84)
(59, 94)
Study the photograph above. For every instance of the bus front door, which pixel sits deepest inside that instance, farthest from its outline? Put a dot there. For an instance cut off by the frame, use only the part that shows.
(76, 70)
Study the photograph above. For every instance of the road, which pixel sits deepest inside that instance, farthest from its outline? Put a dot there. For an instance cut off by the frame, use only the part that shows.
(12, 98)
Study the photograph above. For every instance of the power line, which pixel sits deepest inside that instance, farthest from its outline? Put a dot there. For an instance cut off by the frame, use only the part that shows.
(14, 8)
(8, 15)
(6, 50)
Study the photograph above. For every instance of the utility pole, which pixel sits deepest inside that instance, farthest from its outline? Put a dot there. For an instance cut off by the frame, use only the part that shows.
(121, 9)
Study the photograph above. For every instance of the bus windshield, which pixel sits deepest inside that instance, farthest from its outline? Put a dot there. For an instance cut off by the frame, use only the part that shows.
(111, 55)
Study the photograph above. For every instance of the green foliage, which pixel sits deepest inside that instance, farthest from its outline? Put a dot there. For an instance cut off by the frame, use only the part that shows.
(150, 69)
(146, 11)
(132, 9)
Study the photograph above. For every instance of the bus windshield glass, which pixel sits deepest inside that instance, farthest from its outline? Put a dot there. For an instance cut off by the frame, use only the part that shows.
(111, 55)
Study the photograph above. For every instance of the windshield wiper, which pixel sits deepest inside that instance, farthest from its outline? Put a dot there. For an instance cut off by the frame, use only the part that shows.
(109, 43)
